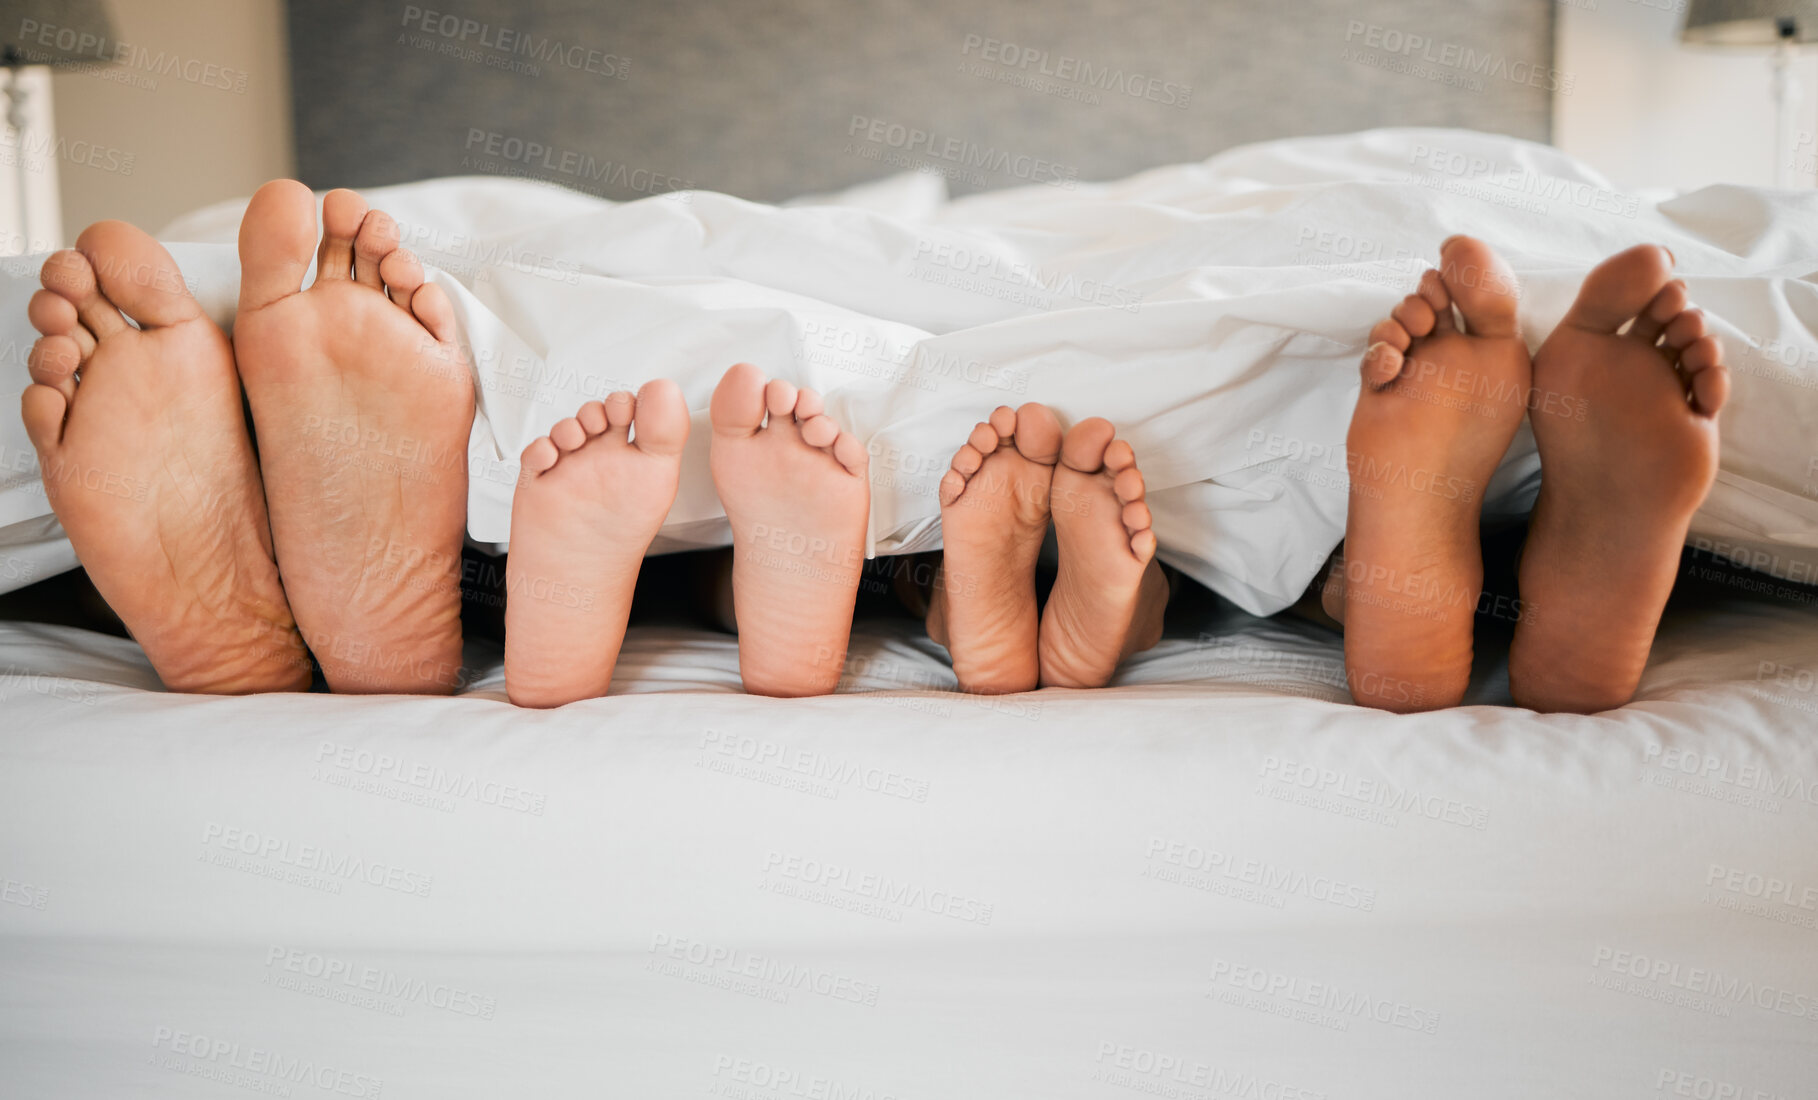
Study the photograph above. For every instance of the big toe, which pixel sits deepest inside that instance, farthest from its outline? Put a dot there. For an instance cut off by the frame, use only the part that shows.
(277, 241)
(662, 418)
(1620, 288)
(1481, 285)
(738, 401)
(137, 274)
(1084, 447)
(1038, 433)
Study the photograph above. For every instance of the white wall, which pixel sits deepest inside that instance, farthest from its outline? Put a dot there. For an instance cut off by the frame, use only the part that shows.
(1644, 109)
(29, 163)
(1650, 112)
(189, 143)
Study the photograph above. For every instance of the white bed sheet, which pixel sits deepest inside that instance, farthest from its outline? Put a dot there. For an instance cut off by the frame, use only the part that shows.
(1216, 879)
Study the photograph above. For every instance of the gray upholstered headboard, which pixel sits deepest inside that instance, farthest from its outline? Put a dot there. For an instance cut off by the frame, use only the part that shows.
(772, 98)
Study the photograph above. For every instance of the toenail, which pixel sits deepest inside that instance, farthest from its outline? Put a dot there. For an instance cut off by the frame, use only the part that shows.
(1672, 259)
(1447, 243)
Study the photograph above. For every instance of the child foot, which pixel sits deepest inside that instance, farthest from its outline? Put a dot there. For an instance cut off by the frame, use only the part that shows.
(1619, 486)
(1437, 411)
(362, 432)
(1109, 593)
(795, 491)
(588, 504)
(994, 516)
(148, 466)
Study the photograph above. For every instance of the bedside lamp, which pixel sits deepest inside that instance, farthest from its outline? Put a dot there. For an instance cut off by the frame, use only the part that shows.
(1782, 25)
(47, 32)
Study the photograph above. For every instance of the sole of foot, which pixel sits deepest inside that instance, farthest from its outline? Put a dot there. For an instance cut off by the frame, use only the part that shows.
(592, 495)
(363, 406)
(143, 446)
(1109, 592)
(795, 490)
(994, 516)
(1438, 408)
(1623, 466)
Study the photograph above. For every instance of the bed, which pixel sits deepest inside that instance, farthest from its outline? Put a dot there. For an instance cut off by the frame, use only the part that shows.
(1216, 878)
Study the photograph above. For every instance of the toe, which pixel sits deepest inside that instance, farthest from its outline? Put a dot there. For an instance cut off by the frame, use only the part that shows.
(953, 483)
(1003, 422)
(984, 439)
(1433, 289)
(967, 460)
(820, 431)
(539, 456)
(51, 313)
(432, 309)
(1414, 317)
(779, 401)
(342, 213)
(1682, 330)
(53, 362)
(42, 409)
(851, 454)
(593, 417)
(1652, 321)
(1137, 517)
(662, 420)
(1381, 364)
(738, 401)
(1119, 456)
(568, 434)
(277, 239)
(1620, 287)
(137, 274)
(1390, 331)
(402, 274)
(1703, 363)
(621, 410)
(1038, 433)
(1143, 546)
(1083, 449)
(1128, 485)
(808, 405)
(376, 239)
(1481, 285)
(68, 274)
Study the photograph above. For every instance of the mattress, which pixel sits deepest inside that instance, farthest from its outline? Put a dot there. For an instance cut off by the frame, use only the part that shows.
(1215, 878)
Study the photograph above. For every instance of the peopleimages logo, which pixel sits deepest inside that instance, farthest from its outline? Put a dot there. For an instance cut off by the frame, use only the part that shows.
(314, 860)
(238, 1064)
(429, 777)
(1073, 70)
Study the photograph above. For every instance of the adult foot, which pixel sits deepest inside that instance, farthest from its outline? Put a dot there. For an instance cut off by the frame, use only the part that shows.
(589, 501)
(1437, 411)
(1624, 463)
(147, 463)
(1109, 592)
(994, 516)
(362, 415)
(795, 491)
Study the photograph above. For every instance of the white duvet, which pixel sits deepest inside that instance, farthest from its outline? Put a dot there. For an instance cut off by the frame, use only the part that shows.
(1215, 312)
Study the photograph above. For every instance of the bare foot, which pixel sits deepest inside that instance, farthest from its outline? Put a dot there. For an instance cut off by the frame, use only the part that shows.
(1437, 411)
(147, 464)
(1619, 485)
(362, 430)
(994, 516)
(588, 503)
(795, 490)
(1109, 593)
